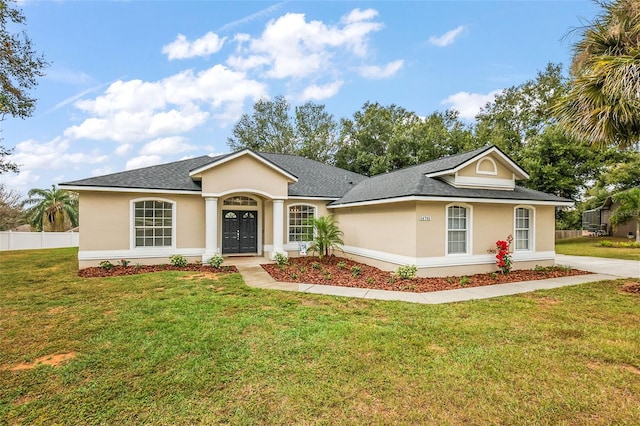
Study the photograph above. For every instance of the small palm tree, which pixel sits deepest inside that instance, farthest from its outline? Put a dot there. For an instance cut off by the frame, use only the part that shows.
(628, 209)
(326, 235)
(51, 209)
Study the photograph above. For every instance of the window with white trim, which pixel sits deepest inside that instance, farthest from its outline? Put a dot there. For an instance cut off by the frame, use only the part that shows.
(153, 223)
(457, 229)
(523, 229)
(300, 227)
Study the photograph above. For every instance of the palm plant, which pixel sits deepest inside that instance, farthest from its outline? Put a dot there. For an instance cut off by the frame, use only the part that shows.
(628, 209)
(326, 235)
(602, 103)
(52, 209)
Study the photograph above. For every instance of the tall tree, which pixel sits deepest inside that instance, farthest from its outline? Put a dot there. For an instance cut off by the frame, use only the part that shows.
(628, 209)
(558, 164)
(521, 112)
(52, 209)
(602, 105)
(377, 139)
(20, 66)
(311, 132)
(11, 212)
(316, 132)
(268, 128)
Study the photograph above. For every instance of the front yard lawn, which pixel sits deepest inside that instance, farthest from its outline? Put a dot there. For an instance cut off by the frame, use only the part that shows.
(190, 348)
(590, 246)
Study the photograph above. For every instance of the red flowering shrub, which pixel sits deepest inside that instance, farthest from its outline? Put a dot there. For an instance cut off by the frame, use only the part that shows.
(503, 257)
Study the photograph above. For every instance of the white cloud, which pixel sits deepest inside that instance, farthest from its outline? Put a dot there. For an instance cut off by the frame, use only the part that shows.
(315, 92)
(143, 161)
(447, 38)
(376, 72)
(292, 47)
(123, 149)
(135, 110)
(181, 48)
(21, 182)
(357, 15)
(167, 146)
(100, 171)
(35, 157)
(469, 104)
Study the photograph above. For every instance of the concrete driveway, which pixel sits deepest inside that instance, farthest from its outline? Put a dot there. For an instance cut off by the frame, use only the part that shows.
(600, 265)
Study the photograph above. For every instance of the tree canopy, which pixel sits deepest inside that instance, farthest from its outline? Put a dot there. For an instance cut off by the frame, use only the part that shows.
(20, 65)
(310, 132)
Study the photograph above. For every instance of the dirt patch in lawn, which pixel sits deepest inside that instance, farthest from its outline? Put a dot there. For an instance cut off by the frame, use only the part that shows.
(118, 270)
(54, 360)
(347, 273)
(631, 287)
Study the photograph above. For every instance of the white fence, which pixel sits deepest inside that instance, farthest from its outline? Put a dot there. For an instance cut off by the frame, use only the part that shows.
(37, 240)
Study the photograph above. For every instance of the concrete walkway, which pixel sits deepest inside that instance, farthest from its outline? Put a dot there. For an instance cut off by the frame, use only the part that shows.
(255, 276)
(600, 265)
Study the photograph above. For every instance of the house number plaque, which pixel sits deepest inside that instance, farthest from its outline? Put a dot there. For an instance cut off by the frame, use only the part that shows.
(425, 218)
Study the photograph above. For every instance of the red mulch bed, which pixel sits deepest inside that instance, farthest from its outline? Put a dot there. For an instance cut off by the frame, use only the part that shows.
(327, 272)
(117, 271)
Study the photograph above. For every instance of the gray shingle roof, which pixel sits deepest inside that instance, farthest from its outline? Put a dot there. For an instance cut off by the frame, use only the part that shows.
(413, 182)
(170, 176)
(317, 179)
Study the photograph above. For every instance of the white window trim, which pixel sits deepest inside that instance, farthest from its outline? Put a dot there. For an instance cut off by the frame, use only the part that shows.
(484, 172)
(469, 240)
(532, 228)
(132, 225)
(315, 216)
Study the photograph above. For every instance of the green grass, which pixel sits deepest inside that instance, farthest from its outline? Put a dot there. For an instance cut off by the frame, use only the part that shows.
(590, 246)
(165, 348)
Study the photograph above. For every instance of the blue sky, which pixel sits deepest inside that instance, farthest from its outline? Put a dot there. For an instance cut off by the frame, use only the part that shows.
(145, 82)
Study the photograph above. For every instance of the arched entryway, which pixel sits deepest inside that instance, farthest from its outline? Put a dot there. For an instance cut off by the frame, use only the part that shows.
(240, 225)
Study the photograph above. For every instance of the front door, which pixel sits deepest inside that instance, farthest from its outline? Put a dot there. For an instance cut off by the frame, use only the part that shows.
(239, 231)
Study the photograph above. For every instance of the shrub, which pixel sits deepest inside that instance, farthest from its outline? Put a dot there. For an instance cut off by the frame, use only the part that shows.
(407, 272)
(105, 264)
(606, 243)
(342, 265)
(315, 265)
(370, 281)
(293, 275)
(281, 259)
(215, 261)
(464, 281)
(503, 258)
(178, 260)
(356, 270)
(124, 262)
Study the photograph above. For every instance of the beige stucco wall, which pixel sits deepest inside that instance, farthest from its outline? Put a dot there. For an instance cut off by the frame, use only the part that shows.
(105, 219)
(504, 172)
(389, 228)
(244, 173)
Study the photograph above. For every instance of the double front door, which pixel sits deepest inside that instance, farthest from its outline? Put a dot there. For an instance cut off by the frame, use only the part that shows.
(239, 231)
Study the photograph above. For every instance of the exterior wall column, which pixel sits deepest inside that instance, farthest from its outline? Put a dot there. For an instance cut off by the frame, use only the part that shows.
(211, 227)
(278, 228)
